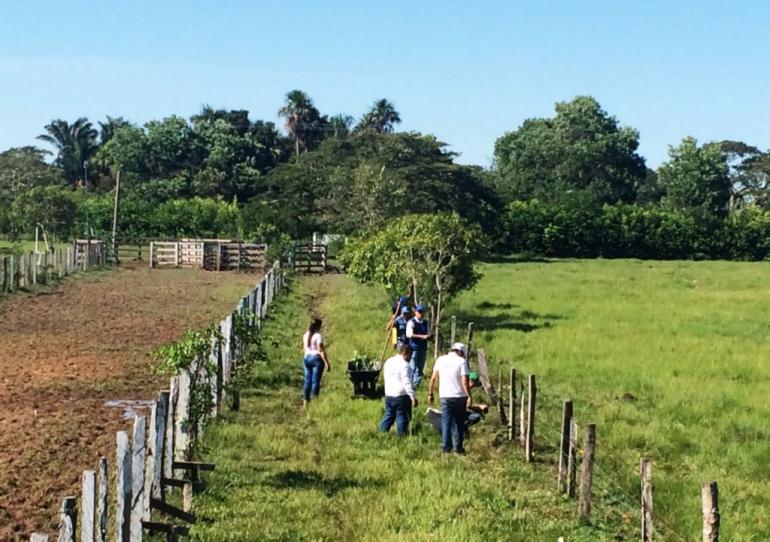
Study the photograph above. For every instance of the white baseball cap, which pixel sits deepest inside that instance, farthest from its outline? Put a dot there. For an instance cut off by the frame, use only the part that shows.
(460, 347)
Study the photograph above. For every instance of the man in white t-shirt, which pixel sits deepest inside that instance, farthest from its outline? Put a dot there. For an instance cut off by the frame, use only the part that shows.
(399, 393)
(451, 370)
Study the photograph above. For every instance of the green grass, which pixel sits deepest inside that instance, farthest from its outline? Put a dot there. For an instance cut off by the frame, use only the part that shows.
(688, 340)
(283, 476)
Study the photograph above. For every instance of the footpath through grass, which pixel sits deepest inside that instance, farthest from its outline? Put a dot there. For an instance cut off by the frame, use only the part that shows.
(282, 475)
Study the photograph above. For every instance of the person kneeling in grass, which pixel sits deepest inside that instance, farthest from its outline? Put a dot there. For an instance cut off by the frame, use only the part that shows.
(399, 393)
(451, 370)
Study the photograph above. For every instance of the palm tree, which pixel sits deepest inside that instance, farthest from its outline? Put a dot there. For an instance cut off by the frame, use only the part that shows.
(381, 118)
(301, 116)
(339, 125)
(107, 128)
(75, 143)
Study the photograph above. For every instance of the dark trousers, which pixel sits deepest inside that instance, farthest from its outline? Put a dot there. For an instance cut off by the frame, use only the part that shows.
(314, 370)
(399, 410)
(453, 416)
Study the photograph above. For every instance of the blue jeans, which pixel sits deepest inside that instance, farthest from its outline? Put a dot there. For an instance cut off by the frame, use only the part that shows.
(417, 363)
(453, 416)
(314, 369)
(398, 409)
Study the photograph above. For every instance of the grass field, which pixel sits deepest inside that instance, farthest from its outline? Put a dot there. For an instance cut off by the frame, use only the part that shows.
(685, 342)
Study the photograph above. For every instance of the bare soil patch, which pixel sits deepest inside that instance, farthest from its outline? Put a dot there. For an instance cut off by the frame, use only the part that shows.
(64, 353)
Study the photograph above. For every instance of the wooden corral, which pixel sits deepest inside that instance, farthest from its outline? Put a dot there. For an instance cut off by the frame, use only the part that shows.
(208, 254)
(309, 258)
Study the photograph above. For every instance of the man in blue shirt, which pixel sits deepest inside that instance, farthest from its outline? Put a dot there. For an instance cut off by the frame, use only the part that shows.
(399, 324)
(418, 333)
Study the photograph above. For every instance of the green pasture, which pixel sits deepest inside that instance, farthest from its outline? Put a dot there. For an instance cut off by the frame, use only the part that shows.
(667, 358)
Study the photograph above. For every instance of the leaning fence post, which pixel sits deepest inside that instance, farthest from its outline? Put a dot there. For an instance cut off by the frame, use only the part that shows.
(710, 497)
(512, 405)
(67, 519)
(101, 502)
(531, 396)
(566, 420)
(123, 488)
(453, 331)
(159, 444)
(587, 472)
(137, 477)
(181, 417)
(87, 506)
(646, 475)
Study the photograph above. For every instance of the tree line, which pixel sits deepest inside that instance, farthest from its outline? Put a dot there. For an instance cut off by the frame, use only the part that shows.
(569, 185)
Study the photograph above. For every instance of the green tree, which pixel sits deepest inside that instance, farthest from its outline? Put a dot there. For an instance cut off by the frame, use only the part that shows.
(23, 168)
(749, 170)
(53, 207)
(303, 120)
(432, 255)
(696, 179)
(581, 148)
(381, 118)
(74, 143)
(108, 127)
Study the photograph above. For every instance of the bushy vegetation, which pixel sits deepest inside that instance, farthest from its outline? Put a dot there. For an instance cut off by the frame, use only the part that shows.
(568, 185)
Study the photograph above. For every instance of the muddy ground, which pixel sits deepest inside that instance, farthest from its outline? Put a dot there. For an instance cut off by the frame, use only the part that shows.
(66, 351)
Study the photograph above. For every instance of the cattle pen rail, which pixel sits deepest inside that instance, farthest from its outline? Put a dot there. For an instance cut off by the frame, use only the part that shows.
(208, 254)
(153, 460)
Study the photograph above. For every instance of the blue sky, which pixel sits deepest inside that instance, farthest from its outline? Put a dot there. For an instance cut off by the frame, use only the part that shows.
(464, 71)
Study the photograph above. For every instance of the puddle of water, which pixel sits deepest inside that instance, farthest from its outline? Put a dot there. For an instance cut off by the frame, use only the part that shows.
(131, 408)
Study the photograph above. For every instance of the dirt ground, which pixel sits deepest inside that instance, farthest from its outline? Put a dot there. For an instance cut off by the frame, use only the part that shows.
(65, 352)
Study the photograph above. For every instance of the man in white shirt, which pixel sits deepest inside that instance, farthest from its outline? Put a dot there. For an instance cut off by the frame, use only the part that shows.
(399, 393)
(451, 370)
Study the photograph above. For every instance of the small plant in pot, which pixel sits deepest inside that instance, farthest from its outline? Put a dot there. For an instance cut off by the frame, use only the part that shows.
(364, 372)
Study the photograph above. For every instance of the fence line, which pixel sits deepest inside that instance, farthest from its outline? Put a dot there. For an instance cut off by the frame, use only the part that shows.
(152, 461)
(39, 268)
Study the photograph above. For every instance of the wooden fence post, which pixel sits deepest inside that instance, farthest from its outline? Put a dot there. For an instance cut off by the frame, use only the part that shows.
(469, 340)
(531, 396)
(523, 415)
(176, 254)
(67, 520)
(137, 477)
(711, 518)
(152, 447)
(181, 415)
(123, 488)
(646, 475)
(512, 405)
(159, 443)
(101, 502)
(500, 395)
(572, 459)
(214, 378)
(87, 506)
(453, 330)
(566, 420)
(168, 445)
(587, 472)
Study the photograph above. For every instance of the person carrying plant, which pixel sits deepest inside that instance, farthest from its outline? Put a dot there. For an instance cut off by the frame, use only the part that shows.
(451, 371)
(399, 393)
(418, 333)
(315, 360)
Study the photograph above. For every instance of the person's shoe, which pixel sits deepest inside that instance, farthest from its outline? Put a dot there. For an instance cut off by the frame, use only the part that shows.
(461, 451)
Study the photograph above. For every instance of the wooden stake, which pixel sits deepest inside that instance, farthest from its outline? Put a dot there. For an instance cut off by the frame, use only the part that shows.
(123, 488)
(587, 472)
(115, 220)
(101, 502)
(646, 475)
(512, 405)
(566, 420)
(87, 506)
(523, 416)
(67, 519)
(531, 396)
(137, 477)
(453, 333)
(572, 459)
(187, 492)
(469, 341)
(711, 518)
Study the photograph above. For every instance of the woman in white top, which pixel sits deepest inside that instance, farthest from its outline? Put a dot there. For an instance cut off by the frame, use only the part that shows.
(315, 360)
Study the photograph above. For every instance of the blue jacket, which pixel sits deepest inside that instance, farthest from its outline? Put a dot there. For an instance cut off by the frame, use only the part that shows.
(400, 325)
(420, 328)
